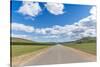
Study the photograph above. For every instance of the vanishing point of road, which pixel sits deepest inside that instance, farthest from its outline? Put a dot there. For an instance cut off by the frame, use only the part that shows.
(59, 55)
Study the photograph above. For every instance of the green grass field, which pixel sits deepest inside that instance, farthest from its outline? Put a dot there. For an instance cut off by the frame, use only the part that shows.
(86, 47)
(18, 50)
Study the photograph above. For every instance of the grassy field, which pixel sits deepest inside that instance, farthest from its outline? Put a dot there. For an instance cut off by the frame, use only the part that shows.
(86, 47)
(21, 46)
(18, 50)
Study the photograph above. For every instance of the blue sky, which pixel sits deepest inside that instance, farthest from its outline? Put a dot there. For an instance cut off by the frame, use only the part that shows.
(41, 21)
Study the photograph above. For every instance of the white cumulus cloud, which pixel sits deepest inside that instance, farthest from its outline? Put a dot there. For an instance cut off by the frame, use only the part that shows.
(19, 35)
(22, 27)
(30, 8)
(55, 8)
(93, 10)
(82, 28)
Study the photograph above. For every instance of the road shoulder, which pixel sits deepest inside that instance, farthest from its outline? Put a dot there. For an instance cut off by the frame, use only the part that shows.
(23, 59)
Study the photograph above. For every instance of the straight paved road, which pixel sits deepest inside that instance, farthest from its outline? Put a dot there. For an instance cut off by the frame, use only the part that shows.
(58, 55)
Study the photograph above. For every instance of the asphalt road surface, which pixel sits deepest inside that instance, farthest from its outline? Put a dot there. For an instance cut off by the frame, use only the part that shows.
(58, 55)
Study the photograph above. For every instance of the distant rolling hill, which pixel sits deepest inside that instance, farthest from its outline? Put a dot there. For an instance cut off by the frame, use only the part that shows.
(20, 41)
(83, 40)
(86, 40)
(14, 39)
